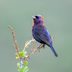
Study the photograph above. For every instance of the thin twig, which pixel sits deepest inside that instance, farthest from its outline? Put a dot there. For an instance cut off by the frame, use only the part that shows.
(28, 43)
(14, 39)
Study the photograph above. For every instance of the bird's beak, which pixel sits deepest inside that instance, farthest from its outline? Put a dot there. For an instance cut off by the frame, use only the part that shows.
(33, 17)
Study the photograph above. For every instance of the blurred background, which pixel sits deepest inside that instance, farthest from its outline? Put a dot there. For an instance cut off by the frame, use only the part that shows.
(58, 20)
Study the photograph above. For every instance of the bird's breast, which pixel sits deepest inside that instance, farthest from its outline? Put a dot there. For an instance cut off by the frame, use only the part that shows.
(36, 32)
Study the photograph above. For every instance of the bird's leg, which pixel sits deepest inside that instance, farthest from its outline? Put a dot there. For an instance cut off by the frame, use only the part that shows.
(43, 45)
(40, 46)
(34, 50)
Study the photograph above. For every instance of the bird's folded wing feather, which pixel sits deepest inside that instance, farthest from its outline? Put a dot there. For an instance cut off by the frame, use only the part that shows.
(44, 35)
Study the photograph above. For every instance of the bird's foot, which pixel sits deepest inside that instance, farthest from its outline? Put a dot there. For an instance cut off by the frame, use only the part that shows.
(34, 50)
(40, 46)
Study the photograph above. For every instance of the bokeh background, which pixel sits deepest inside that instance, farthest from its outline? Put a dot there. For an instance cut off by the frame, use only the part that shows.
(58, 19)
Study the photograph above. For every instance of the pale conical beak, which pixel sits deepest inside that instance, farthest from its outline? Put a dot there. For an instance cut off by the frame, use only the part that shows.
(33, 17)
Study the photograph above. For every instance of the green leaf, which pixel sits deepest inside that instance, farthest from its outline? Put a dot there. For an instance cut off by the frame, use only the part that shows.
(25, 63)
(23, 69)
(22, 53)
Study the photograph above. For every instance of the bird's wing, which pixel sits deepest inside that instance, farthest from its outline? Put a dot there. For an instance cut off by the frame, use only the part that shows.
(45, 36)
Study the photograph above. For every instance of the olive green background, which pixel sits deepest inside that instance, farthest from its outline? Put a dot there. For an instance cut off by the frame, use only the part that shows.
(58, 20)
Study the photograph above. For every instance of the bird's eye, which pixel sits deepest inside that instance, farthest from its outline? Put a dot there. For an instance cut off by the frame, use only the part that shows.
(37, 17)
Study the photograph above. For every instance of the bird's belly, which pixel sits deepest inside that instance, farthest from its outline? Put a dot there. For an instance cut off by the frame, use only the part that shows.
(36, 37)
(36, 32)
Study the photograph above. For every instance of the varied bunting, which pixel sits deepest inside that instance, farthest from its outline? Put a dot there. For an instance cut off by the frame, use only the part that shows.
(41, 34)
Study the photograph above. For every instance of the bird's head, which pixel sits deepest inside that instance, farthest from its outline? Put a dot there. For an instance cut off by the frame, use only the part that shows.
(38, 19)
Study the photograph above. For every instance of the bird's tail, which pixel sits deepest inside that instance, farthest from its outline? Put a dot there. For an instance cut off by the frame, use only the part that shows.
(53, 50)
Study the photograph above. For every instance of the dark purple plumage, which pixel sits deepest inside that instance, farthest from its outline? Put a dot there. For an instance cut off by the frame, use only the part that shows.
(41, 34)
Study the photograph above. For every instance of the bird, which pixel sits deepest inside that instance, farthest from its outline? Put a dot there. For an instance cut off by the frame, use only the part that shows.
(41, 34)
